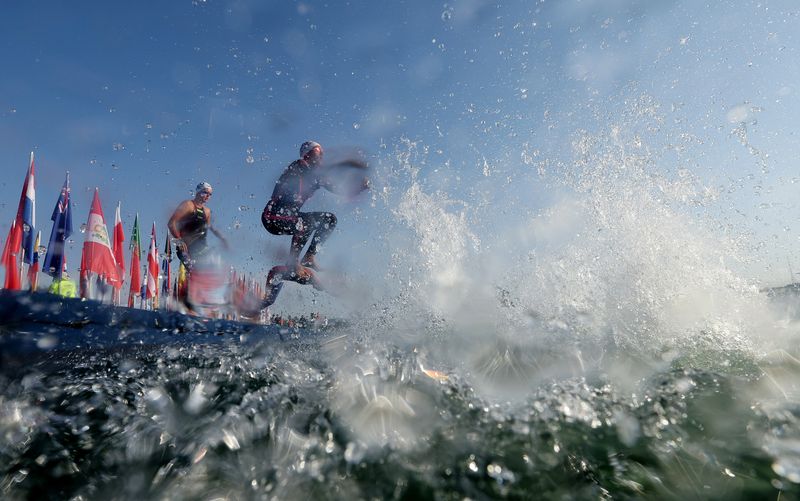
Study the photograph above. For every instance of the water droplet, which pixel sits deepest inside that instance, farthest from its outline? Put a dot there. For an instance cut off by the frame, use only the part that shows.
(20, 476)
(738, 114)
(230, 440)
(83, 228)
(447, 14)
(356, 125)
(787, 467)
(47, 342)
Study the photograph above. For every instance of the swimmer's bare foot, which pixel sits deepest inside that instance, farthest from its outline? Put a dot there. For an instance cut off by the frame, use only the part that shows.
(303, 273)
(310, 261)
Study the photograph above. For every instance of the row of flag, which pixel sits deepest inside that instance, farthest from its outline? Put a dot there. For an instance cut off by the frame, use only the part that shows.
(102, 256)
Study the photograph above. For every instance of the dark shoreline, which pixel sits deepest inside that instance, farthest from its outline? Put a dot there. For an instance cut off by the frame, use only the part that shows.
(34, 326)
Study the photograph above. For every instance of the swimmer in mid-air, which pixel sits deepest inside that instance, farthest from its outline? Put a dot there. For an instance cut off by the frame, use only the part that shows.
(282, 216)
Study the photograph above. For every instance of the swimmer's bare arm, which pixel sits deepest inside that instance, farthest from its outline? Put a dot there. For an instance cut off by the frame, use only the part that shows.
(182, 211)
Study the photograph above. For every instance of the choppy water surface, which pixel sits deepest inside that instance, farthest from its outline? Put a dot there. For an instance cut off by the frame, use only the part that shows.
(338, 416)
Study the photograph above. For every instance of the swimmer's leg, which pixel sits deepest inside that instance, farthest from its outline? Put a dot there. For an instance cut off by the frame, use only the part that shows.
(322, 225)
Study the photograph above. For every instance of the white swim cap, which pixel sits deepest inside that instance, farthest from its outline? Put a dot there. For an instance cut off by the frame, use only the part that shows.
(308, 146)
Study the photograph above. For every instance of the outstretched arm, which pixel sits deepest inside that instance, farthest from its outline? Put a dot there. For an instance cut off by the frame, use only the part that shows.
(352, 162)
(345, 181)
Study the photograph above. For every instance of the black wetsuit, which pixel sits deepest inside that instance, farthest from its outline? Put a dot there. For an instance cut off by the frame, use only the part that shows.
(193, 230)
(282, 214)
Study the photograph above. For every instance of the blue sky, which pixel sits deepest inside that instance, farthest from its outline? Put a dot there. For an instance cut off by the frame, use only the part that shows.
(145, 99)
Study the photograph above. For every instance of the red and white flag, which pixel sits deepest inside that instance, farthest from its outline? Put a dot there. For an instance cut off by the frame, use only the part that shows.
(119, 256)
(97, 255)
(152, 266)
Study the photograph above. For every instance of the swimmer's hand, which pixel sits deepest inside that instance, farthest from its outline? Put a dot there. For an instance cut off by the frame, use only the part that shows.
(181, 246)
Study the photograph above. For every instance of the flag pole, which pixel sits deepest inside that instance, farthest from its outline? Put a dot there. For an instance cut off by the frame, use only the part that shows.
(35, 266)
(21, 265)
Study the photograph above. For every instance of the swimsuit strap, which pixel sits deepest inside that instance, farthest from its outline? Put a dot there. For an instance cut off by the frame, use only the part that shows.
(199, 213)
(199, 210)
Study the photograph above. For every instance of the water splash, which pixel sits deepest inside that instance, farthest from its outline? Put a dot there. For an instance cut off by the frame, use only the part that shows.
(626, 273)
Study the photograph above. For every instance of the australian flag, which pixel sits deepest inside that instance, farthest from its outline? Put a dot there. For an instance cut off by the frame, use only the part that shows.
(55, 259)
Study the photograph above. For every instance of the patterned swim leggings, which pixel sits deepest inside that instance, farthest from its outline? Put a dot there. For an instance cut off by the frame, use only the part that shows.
(301, 225)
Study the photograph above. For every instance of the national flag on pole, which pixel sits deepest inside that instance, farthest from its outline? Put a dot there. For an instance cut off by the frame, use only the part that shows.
(9, 258)
(136, 267)
(26, 213)
(21, 232)
(165, 267)
(55, 261)
(33, 271)
(97, 256)
(152, 266)
(119, 252)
